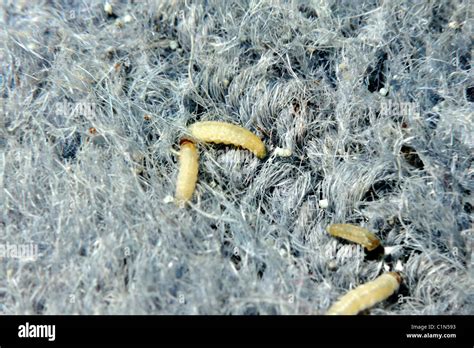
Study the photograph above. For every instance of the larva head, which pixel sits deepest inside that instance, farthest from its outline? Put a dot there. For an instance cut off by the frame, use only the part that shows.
(372, 243)
(185, 141)
(396, 276)
(261, 152)
(255, 145)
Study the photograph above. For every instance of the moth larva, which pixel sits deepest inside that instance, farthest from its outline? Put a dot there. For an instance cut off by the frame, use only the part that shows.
(226, 133)
(366, 295)
(355, 234)
(188, 171)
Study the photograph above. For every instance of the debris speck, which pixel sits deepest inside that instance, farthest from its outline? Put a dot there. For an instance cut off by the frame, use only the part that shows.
(282, 152)
(173, 45)
(454, 25)
(168, 199)
(398, 266)
(108, 8)
(332, 265)
(383, 91)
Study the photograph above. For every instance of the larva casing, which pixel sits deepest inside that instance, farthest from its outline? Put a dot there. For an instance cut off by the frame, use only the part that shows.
(226, 133)
(355, 234)
(188, 171)
(366, 295)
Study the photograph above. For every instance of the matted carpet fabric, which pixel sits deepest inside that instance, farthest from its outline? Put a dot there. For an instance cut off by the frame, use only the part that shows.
(366, 111)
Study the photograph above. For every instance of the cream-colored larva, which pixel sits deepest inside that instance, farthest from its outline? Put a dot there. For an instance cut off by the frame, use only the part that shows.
(366, 295)
(226, 133)
(355, 234)
(188, 171)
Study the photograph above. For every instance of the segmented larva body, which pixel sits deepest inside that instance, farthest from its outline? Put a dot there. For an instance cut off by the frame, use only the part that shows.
(366, 295)
(355, 234)
(226, 133)
(188, 171)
